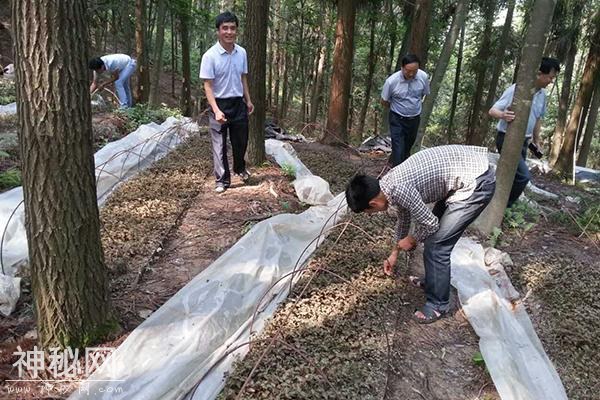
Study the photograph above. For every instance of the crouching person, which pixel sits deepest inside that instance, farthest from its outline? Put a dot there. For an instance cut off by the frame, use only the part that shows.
(459, 180)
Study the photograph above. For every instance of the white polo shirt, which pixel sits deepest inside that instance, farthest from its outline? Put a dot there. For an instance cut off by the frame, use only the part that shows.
(225, 70)
(537, 111)
(115, 62)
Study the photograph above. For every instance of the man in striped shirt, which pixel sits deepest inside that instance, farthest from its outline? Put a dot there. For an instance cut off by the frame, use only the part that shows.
(459, 180)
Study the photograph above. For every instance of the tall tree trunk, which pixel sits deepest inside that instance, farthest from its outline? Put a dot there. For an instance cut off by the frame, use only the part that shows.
(456, 89)
(278, 21)
(68, 274)
(317, 93)
(442, 64)
(564, 165)
(339, 97)
(590, 125)
(419, 32)
(565, 94)
(158, 55)
(511, 151)
(173, 53)
(372, 62)
(481, 67)
(257, 18)
(408, 16)
(392, 34)
(186, 75)
(143, 79)
(285, 66)
(483, 125)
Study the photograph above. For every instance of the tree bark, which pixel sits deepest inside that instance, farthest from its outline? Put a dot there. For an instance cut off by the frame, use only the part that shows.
(565, 94)
(564, 165)
(456, 89)
(158, 56)
(68, 274)
(419, 31)
(257, 18)
(590, 125)
(185, 17)
(511, 152)
(481, 67)
(143, 79)
(483, 125)
(408, 15)
(372, 62)
(317, 92)
(339, 97)
(442, 64)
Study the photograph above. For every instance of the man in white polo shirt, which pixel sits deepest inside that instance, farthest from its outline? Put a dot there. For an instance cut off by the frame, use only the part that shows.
(403, 93)
(224, 69)
(121, 67)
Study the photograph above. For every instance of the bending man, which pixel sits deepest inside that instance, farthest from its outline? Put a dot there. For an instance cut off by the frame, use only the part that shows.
(121, 67)
(459, 180)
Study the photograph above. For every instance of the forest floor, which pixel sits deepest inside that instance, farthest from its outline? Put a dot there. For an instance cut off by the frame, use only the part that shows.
(351, 333)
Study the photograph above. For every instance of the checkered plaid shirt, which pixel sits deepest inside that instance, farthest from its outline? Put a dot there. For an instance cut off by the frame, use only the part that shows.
(438, 173)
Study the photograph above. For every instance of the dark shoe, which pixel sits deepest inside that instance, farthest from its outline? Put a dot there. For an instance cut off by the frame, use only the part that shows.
(417, 282)
(244, 176)
(430, 313)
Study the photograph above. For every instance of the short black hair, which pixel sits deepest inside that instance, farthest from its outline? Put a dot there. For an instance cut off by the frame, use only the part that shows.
(548, 64)
(360, 191)
(96, 63)
(227, 16)
(409, 59)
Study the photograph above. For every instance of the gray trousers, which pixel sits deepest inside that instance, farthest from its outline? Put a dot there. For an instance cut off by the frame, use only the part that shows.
(454, 218)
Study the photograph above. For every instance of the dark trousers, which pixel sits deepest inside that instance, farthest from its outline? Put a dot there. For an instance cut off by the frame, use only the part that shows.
(237, 127)
(522, 175)
(454, 218)
(403, 131)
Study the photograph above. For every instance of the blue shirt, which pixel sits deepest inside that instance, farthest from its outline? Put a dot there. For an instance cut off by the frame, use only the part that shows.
(538, 108)
(405, 96)
(225, 70)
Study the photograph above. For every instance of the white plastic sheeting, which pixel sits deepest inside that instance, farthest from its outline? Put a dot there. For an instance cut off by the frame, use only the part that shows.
(513, 354)
(8, 109)
(185, 340)
(181, 351)
(115, 162)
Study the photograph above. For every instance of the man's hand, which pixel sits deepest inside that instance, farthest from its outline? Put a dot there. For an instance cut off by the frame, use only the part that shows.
(220, 117)
(390, 263)
(407, 244)
(508, 115)
(250, 107)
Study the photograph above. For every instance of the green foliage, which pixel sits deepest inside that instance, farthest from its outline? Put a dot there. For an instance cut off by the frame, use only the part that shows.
(478, 359)
(288, 170)
(495, 237)
(9, 179)
(143, 114)
(520, 217)
(590, 218)
(7, 91)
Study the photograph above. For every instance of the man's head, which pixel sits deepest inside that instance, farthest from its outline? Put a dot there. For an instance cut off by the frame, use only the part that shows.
(226, 24)
(97, 64)
(410, 66)
(549, 68)
(364, 194)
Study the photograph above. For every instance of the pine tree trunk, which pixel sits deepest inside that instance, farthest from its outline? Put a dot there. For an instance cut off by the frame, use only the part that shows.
(456, 89)
(317, 93)
(158, 56)
(143, 79)
(371, 62)
(442, 64)
(68, 274)
(590, 125)
(186, 75)
(257, 18)
(483, 125)
(565, 94)
(408, 16)
(339, 97)
(482, 58)
(564, 165)
(511, 151)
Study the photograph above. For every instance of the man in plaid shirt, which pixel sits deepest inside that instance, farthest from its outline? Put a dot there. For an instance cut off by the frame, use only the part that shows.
(459, 180)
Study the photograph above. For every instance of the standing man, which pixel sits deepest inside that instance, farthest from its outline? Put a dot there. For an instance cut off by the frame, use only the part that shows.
(459, 180)
(403, 93)
(121, 67)
(501, 110)
(224, 69)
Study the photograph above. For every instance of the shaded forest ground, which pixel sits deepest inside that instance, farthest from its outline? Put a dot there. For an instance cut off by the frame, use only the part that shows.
(166, 225)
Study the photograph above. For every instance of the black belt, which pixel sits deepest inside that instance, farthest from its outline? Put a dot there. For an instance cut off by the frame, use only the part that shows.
(402, 117)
